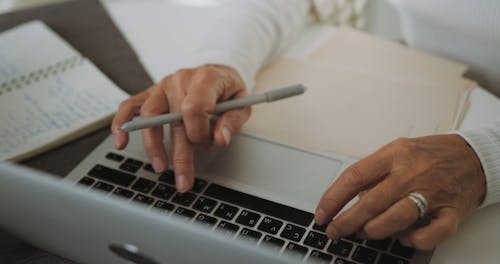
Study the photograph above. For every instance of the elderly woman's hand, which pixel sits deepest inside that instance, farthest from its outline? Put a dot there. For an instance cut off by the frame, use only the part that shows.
(194, 92)
(442, 168)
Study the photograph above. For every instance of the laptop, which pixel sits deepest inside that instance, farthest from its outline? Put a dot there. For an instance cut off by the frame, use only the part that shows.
(252, 202)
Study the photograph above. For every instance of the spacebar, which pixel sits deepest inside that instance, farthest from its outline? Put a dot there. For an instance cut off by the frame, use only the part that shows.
(260, 205)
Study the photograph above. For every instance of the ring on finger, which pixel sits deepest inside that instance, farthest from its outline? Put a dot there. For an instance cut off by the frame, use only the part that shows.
(421, 203)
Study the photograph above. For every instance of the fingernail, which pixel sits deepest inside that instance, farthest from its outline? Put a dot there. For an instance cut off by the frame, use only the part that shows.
(181, 183)
(226, 133)
(362, 235)
(333, 232)
(320, 217)
(405, 242)
(158, 164)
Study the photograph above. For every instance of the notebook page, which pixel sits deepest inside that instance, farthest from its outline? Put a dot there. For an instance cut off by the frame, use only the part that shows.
(49, 112)
(30, 47)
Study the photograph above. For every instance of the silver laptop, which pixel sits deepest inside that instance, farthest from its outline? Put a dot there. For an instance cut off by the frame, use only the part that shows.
(252, 202)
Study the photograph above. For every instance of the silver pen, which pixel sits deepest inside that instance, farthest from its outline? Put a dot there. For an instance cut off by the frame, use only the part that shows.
(274, 95)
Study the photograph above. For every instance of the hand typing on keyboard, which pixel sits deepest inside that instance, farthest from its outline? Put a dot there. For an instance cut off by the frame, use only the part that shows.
(194, 92)
(437, 179)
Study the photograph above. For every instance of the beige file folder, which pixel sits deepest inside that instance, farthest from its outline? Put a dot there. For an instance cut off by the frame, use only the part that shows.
(363, 93)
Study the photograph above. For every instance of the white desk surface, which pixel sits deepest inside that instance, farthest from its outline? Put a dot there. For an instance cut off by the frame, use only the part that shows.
(152, 26)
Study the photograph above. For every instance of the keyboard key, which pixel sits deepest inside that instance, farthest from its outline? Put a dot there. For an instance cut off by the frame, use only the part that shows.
(167, 177)
(295, 250)
(123, 193)
(250, 235)
(114, 156)
(319, 257)
(102, 186)
(400, 250)
(143, 185)
(185, 199)
(111, 175)
(149, 168)
(248, 218)
(388, 259)
(321, 228)
(227, 228)
(315, 239)
(86, 181)
(129, 167)
(143, 199)
(382, 244)
(164, 206)
(134, 162)
(342, 261)
(185, 213)
(226, 211)
(272, 242)
(354, 238)
(340, 247)
(199, 185)
(293, 232)
(205, 204)
(270, 225)
(163, 191)
(364, 255)
(260, 205)
(206, 220)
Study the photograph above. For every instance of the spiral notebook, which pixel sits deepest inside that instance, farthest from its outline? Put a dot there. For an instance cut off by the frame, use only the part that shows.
(49, 93)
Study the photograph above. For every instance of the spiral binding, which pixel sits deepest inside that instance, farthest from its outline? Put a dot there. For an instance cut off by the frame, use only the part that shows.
(37, 75)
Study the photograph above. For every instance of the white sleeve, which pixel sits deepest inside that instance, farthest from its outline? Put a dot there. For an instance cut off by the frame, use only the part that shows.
(247, 34)
(486, 143)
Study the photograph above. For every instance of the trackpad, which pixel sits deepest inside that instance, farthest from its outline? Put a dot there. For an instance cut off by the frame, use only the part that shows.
(271, 170)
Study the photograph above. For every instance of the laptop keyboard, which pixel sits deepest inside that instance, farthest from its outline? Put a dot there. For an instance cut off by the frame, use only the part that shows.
(262, 222)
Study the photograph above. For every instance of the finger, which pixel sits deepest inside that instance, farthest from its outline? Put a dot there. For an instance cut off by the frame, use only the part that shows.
(196, 106)
(152, 138)
(182, 157)
(437, 231)
(230, 123)
(398, 217)
(182, 149)
(354, 179)
(210, 85)
(373, 203)
(126, 111)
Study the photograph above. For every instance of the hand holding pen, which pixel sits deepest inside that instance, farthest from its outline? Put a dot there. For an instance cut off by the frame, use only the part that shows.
(190, 96)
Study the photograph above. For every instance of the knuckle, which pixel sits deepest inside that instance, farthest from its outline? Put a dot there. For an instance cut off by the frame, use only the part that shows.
(182, 159)
(191, 108)
(370, 204)
(181, 72)
(209, 72)
(401, 143)
(125, 105)
(150, 110)
(352, 177)
(370, 231)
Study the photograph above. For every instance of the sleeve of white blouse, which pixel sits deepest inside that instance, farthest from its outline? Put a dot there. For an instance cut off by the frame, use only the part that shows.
(485, 141)
(247, 34)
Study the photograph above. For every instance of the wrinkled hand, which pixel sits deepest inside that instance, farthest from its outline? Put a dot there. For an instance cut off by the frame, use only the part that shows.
(443, 168)
(194, 92)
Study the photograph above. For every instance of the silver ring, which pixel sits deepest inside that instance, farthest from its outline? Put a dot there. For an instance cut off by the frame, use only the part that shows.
(421, 203)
